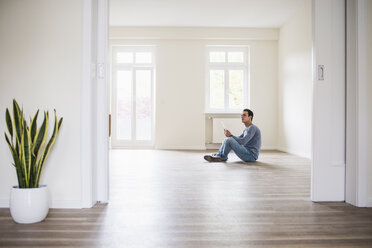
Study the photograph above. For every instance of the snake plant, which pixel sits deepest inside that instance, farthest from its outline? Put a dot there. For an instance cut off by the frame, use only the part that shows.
(28, 144)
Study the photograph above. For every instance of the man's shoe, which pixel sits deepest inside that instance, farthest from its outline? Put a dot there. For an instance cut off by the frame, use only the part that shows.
(214, 158)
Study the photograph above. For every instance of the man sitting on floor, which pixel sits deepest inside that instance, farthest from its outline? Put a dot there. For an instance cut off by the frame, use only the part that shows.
(246, 146)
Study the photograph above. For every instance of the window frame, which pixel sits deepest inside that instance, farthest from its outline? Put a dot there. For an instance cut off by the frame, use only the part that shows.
(226, 67)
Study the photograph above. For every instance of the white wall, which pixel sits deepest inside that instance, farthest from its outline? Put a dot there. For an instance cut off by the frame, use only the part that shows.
(40, 66)
(179, 95)
(369, 86)
(295, 84)
(180, 79)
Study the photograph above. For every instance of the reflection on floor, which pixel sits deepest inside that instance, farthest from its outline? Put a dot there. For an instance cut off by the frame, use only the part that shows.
(176, 199)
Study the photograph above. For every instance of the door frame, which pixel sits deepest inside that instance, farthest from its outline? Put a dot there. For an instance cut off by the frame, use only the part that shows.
(328, 183)
(94, 126)
(357, 104)
(96, 173)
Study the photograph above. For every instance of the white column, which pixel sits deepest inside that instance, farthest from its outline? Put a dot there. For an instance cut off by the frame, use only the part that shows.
(328, 127)
(102, 175)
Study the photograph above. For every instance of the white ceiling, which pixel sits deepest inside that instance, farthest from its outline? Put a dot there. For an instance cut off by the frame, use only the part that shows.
(203, 13)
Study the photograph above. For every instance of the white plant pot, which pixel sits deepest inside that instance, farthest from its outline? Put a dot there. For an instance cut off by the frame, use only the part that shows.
(29, 205)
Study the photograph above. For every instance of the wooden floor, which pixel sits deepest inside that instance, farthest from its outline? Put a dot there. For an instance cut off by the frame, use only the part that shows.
(175, 199)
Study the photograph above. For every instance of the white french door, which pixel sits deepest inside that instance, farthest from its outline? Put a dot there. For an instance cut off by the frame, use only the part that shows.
(132, 97)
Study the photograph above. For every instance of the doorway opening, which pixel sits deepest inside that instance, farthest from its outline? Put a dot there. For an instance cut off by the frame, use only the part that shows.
(132, 96)
(179, 36)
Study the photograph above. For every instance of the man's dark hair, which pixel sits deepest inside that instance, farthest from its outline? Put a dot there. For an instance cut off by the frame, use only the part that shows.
(250, 113)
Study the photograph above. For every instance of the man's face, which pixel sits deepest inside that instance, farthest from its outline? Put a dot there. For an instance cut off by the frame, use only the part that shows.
(245, 117)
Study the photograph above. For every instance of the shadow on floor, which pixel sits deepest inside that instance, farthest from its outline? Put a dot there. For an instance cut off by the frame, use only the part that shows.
(251, 165)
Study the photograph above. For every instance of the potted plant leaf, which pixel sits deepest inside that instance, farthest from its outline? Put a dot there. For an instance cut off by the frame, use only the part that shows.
(29, 148)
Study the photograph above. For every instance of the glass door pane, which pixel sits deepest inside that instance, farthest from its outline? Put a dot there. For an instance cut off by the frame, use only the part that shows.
(143, 105)
(124, 105)
(236, 89)
(217, 88)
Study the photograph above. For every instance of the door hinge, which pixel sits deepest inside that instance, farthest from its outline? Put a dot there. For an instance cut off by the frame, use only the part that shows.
(100, 71)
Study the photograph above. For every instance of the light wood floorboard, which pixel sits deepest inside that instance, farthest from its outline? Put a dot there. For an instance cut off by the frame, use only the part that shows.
(176, 199)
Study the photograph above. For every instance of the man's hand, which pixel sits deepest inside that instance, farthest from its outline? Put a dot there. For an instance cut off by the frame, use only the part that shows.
(227, 133)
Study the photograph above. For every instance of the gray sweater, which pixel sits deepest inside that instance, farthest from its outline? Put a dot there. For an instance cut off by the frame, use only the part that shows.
(250, 139)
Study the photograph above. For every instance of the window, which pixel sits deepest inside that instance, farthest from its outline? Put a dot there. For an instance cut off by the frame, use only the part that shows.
(132, 96)
(227, 79)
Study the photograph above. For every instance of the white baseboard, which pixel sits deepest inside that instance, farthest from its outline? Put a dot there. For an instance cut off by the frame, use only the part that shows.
(294, 152)
(216, 146)
(4, 203)
(66, 204)
(180, 147)
(369, 202)
(212, 146)
(267, 148)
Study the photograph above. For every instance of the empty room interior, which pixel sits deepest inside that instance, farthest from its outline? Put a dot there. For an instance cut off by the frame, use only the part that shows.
(147, 88)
